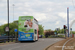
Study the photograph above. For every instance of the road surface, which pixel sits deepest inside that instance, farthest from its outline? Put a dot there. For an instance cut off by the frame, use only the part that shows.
(41, 44)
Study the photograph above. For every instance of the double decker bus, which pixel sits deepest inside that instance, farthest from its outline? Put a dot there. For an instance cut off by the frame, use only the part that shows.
(27, 28)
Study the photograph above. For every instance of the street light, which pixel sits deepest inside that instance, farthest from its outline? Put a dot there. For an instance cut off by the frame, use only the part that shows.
(8, 17)
(13, 12)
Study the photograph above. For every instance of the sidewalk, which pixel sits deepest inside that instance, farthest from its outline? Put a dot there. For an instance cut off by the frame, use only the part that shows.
(58, 46)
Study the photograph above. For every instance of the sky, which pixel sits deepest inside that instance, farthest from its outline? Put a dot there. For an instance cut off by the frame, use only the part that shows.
(51, 14)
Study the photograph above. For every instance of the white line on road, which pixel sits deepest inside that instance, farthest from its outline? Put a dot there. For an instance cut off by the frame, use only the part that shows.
(65, 43)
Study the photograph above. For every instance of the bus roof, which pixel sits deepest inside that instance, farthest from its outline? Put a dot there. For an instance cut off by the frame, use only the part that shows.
(25, 16)
(29, 16)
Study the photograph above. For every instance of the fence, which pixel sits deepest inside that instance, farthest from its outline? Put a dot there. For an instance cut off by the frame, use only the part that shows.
(5, 38)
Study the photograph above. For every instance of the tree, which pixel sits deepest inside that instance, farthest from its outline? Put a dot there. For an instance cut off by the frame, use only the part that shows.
(73, 32)
(61, 31)
(12, 26)
(41, 30)
(48, 30)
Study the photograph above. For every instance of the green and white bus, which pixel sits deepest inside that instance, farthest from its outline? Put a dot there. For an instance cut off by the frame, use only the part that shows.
(28, 28)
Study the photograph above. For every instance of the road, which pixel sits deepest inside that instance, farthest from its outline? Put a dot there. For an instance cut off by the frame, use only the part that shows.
(41, 44)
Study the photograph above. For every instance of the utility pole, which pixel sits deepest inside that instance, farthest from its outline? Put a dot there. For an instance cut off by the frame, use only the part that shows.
(8, 17)
(68, 19)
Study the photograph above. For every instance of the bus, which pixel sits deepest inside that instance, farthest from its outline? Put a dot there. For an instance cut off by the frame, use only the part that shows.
(27, 28)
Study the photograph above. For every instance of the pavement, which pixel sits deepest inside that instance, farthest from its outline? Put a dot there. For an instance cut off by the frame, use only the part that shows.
(69, 45)
(41, 44)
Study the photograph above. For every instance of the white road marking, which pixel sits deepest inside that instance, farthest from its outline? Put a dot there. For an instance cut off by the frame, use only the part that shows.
(65, 43)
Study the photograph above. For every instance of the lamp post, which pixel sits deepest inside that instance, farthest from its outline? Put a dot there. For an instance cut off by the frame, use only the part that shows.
(68, 19)
(8, 17)
(13, 19)
(13, 12)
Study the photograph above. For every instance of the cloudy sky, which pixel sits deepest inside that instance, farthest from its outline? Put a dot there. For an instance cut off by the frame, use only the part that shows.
(50, 13)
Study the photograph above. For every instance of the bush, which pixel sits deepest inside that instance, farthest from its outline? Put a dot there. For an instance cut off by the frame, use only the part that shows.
(58, 36)
(61, 35)
(52, 36)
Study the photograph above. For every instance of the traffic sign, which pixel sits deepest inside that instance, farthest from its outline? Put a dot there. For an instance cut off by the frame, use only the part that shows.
(15, 30)
(7, 29)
